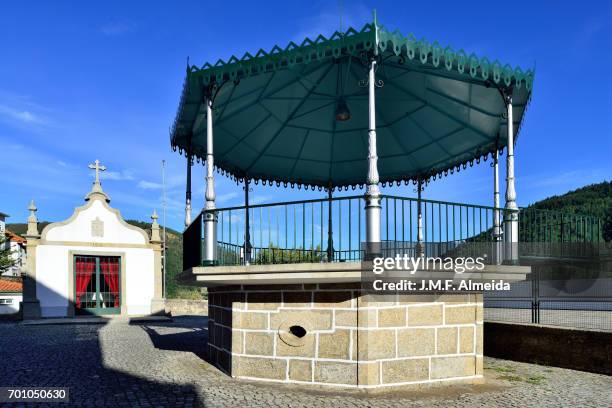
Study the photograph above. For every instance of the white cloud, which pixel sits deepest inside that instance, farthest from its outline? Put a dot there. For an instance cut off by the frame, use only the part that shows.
(149, 185)
(328, 21)
(259, 200)
(21, 115)
(222, 198)
(117, 175)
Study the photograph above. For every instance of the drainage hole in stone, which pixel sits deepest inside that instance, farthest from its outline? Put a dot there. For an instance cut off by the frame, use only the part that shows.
(297, 331)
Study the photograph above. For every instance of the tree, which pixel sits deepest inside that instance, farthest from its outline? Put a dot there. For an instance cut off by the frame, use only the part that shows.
(6, 259)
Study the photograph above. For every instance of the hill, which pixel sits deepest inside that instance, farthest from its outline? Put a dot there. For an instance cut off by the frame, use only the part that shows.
(174, 253)
(594, 199)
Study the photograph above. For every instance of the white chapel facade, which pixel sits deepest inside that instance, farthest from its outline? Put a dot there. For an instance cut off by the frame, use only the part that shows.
(94, 263)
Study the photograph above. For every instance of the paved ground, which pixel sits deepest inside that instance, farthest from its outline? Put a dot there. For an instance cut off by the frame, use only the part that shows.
(161, 364)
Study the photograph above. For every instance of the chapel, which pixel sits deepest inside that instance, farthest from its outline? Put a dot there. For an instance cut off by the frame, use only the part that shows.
(93, 263)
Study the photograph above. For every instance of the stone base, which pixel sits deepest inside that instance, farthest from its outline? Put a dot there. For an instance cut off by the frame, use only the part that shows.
(337, 335)
(158, 307)
(30, 310)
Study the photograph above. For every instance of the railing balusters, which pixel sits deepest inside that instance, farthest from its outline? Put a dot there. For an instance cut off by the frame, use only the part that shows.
(541, 227)
(350, 239)
(340, 229)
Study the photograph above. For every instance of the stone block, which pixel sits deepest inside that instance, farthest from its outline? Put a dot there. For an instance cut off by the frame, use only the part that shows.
(336, 299)
(376, 300)
(367, 318)
(454, 298)
(300, 370)
(306, 348)
(369, 373)
(466, 339)
(399, 371)
(335, 372)
(297, 299)
(226, 338)
(260, 367)
(479, 365)
(224, 360)
(416, 342)
(334, 345)
(395, 317)
(375, 344)
(479, 339)
(479, 313)
(237, 341)
(309, 319)
(460, 314)
(259, 344)
(249, 320)
(449, 367)
(428, 315)
(447, 340)
(263, 300)
(347, 318)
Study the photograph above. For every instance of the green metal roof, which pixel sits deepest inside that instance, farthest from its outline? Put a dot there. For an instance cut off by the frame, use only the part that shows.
(274, 112)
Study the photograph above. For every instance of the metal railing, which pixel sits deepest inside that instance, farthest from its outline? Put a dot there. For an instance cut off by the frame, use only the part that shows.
(325, 230)
(558, 292)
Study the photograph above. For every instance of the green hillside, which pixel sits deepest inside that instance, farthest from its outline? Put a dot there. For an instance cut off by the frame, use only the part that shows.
(594, 199)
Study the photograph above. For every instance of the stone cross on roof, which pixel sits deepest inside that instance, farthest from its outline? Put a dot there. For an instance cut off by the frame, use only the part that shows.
(98, 168)
(96, 189)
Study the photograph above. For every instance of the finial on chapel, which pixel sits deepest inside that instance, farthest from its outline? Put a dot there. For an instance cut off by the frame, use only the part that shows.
(155, 236)
(32, 221)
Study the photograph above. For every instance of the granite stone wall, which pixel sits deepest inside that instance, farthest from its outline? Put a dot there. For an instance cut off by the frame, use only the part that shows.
(177, 307)
(335, 334)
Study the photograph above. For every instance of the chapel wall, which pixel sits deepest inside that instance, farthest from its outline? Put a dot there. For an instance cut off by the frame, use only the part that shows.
(54, 266)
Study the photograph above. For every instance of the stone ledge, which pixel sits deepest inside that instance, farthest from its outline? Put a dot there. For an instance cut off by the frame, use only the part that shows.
(339, 272)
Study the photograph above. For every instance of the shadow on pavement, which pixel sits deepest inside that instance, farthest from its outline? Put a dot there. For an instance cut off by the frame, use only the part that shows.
(75, 356)
(193, 339)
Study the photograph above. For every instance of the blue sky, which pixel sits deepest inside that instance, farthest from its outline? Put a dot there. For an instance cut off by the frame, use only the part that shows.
(80, 81)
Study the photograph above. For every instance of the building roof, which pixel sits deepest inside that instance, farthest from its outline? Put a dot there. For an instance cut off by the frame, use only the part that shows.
(4, 214)
(10, 285)
(438, 109)
(14, 237)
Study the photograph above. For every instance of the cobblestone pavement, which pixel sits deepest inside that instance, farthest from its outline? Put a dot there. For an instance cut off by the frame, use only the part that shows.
(161, 364)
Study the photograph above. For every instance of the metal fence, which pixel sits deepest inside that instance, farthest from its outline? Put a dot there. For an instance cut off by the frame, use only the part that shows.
(324, 230)
(573, 291)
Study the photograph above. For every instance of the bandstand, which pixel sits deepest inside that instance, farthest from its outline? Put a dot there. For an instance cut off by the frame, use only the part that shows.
(360, 109)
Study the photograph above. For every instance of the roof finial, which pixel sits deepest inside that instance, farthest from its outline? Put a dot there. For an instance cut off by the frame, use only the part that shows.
(32, 221)
(375, 32)
(97, 187)
(155, 236)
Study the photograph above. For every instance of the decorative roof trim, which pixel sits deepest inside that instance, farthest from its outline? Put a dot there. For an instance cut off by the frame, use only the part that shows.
(88, 204)
(373, 36)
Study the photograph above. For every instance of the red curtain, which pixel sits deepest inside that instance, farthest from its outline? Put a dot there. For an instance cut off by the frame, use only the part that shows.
(110, 271)
(85, 269)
